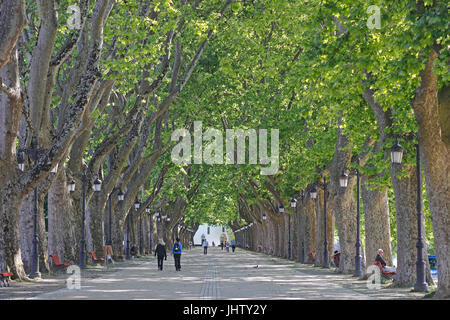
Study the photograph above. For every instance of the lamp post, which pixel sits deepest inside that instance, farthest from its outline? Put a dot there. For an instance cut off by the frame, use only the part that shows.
(33, 153)
(304, 232)
(97, 187)
(150, 236)
(281, 210)
(137, 205)
(313, 192)
(293, 206)
(127, 249)
(343, 181)
(396, 158)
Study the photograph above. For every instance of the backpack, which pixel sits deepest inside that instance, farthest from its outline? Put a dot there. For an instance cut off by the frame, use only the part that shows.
(176, 247)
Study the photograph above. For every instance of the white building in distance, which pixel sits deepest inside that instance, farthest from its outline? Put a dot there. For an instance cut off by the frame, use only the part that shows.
(212, 233)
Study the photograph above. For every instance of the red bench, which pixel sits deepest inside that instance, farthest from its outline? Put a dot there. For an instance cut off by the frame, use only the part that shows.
(387, 274)
(56, 261)
(4, 279)
(96, 260)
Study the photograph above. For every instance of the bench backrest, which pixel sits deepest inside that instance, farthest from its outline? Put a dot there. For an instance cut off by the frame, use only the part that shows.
(55, 259)
(93, 255)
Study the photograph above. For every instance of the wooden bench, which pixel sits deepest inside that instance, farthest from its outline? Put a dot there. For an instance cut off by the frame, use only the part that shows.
(4, 279)
(96, 260)
(386, 274)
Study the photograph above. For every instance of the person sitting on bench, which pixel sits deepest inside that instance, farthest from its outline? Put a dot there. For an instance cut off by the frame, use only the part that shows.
(380, 259)
(133, 250)
(337, 258)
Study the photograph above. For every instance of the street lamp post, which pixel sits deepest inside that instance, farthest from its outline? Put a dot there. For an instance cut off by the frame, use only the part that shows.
(109, 241)
(137, 206)
(150, 236)
(127, 249)
(32, 152)
(326, 262)
(396, 158)
(343, 181)
(97, 187)
(304, 232)
(293, 206)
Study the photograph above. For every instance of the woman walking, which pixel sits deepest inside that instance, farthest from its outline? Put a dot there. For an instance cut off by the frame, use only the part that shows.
(161, 252)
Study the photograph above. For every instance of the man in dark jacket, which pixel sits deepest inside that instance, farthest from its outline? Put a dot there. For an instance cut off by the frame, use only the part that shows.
(161, 252)
(380, 259)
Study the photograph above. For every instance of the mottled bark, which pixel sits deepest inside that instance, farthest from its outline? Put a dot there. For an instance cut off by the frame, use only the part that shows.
(343, 203)
(405, 190)
(12, 20)
(377, 230)
(310, 228)
(64, 221)
(11, 194)
(435, 155)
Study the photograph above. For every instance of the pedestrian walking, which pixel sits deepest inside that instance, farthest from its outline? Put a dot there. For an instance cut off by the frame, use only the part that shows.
(176, 251)
(227, 246)
(160, 251)
(221, 244)
(233, 245)
(205, 246)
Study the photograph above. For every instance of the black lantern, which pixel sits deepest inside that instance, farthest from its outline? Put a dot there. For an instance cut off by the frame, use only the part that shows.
(21, 161)
(97, 184)
(293, 203)
(396, 153)
(137, 204)
(120, 195)
(313, 193)
(72, 186)
(343, 180)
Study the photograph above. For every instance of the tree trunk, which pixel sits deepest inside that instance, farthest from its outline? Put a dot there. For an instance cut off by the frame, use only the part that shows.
(10, 254)
(64, 221)
(95, 224)
(377, 230)
(405, 191)
(310, 229)
(435, 155)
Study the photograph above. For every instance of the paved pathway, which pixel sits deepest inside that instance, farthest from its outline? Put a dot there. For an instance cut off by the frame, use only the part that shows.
(219, 275)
